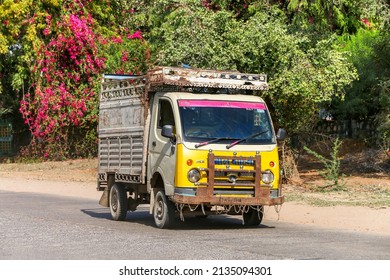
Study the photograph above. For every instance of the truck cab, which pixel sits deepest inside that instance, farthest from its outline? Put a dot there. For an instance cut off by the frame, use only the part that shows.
(207, 146)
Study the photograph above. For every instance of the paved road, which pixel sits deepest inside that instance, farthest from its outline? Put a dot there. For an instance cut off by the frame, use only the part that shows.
(37, 226)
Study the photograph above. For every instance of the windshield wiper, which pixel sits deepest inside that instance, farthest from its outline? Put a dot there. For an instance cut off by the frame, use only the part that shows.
(245, 139)
(212, 141)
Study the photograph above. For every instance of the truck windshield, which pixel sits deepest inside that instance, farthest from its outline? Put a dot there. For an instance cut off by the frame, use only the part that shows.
(210, 121)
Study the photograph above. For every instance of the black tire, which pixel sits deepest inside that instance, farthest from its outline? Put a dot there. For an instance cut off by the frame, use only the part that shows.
(118, 202)
(163, 211)
(252, 217)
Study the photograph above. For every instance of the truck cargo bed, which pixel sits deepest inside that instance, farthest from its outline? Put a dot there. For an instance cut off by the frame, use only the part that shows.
(121, 130)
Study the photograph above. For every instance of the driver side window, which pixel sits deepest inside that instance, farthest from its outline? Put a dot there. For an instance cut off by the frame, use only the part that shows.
(165, 114)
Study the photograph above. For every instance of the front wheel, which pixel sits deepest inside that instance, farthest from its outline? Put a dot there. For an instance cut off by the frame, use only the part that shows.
(118, 202)
(163, 211)
(253, 217)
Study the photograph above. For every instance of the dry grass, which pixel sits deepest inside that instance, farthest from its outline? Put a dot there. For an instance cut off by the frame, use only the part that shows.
(81, 170)
(366, 178)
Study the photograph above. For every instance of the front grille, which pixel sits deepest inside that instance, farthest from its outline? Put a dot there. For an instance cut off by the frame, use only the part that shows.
(226, 175)
(238, 192)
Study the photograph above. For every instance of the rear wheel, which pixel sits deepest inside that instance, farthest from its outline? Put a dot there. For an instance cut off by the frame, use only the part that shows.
(253, 216)
(118, 202)
(163, 211)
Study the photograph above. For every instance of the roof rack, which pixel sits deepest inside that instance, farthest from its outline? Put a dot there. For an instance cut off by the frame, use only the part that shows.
(191, 77)
(182, 80)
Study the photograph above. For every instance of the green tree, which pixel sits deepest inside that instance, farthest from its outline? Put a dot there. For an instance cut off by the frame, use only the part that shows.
(301, 76)
(367, 98)
(293, 41)
(19, 40)
(337, 17)
(382, 87)
(360, 101)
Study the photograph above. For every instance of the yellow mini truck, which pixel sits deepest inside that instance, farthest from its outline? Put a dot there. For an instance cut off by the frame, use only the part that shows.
(187, 142)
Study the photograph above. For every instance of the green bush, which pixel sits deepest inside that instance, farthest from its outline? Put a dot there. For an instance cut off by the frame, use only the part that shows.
(332, 166)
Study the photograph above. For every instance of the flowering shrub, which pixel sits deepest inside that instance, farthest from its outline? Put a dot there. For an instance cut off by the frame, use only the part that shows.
(65, 91)
(61, 111)
(127, 54)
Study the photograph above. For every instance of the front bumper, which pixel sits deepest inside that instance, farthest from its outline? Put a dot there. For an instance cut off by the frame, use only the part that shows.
(206, 195)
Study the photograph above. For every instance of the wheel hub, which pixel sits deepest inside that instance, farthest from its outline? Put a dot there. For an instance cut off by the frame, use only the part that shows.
(114, 202)
(160, 208)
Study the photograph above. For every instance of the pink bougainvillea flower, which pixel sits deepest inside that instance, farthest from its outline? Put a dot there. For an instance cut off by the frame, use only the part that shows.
(125, 56)
(46, 31)
(136, 35)
(366, 22)
(117, 40)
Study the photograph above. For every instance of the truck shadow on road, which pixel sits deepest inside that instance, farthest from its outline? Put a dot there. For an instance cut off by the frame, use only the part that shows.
(142, 217)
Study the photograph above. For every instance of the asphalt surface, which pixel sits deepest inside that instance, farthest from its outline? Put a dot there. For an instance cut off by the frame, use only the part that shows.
(49, 227)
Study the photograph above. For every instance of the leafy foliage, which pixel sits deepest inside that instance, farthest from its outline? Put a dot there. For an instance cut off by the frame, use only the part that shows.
(298, 73)
(338, 17)
(53, 52)
(383, 117)
(361, 48)
(368, 98)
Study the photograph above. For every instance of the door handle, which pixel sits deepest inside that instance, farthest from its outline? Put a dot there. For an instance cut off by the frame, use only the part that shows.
(173, 148)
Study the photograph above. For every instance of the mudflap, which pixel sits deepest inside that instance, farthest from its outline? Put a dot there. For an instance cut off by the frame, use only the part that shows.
(104, 200)
(152, 197)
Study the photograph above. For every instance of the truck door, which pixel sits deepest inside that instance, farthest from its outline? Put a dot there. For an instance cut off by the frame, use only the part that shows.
(162, 155)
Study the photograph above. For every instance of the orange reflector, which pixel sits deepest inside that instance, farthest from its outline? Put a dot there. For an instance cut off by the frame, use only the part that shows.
(271, 163)
(189, 162)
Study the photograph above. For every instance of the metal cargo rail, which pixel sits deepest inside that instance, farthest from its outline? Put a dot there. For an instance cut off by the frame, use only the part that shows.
(181, 79)
(121, 128)
(184, 78)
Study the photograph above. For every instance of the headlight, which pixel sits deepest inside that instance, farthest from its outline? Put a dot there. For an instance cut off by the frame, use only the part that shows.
(267, 177)
(193, 175)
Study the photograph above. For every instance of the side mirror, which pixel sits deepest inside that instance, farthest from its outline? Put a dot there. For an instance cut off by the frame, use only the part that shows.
(167, 131)
(281, 135)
